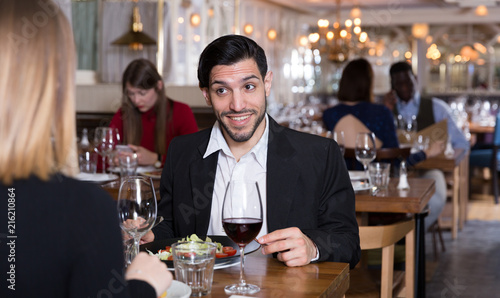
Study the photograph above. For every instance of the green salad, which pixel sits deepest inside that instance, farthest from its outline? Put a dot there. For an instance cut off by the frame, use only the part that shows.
(166, 254)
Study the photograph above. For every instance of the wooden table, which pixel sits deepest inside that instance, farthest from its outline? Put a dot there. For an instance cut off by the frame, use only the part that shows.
(413, 201)
(458, 167)
(324, 279)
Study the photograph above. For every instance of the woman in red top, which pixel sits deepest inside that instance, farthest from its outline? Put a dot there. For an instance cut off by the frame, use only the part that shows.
(148, 120)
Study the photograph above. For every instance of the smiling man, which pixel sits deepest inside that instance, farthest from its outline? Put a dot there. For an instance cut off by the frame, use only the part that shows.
(307, 195)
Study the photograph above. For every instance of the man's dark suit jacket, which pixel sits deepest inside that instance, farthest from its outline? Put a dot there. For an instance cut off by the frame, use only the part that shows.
(308, 187)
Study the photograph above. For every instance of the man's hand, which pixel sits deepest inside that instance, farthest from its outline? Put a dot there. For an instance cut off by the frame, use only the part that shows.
(390, 100)
(435, 149)
(149, 237)
(144, 156)
(293, 247)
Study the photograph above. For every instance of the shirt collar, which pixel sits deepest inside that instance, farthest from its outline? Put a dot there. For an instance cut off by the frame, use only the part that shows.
(217, 142)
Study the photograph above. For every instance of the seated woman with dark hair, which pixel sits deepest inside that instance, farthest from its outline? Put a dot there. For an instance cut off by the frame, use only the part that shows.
(147, 119)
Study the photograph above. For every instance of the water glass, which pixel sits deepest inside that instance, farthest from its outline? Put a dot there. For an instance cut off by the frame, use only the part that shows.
(88, 162)
(128, 164)
(194, 265)
(379, 174)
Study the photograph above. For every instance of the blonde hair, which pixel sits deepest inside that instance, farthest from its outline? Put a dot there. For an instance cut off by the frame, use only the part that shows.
(37, 110)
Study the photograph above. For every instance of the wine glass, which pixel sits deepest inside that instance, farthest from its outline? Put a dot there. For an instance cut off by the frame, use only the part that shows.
(136, 209)
(242, 220)
(365, 150)
(338, 136)
(105, 141)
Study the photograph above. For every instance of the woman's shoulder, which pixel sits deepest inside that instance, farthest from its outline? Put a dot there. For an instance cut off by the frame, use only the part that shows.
(177, 105)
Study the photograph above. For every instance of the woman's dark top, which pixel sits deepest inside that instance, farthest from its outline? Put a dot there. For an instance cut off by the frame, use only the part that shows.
(67, 241)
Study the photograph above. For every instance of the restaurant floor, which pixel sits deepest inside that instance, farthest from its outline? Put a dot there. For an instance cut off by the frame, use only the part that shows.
(470, 266)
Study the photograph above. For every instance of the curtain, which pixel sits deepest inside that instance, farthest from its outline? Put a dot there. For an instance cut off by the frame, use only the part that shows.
(84, 15)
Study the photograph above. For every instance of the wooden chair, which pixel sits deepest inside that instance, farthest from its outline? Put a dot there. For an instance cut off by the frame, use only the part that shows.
(363, 283)
(351, 126)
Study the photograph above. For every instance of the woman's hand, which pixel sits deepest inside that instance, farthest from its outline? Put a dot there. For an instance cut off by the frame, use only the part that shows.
(151, 270)
(144, 156)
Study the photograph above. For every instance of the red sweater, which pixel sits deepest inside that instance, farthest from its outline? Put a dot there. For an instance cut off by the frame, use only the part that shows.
(182, 123)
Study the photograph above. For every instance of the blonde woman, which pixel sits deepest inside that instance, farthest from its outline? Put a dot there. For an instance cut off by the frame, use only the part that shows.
(58, 237)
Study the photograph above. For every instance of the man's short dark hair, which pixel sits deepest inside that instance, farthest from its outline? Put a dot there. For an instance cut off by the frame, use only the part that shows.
(400, 67)
(228, 50)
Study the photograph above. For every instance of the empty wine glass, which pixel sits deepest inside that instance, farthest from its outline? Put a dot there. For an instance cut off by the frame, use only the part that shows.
(365, 150)
(242, 220)
(136, 210)
(105, 141)
(338, 136)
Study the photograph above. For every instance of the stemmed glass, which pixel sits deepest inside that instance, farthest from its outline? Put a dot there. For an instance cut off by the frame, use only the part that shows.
(242, 219)
(105, 141)
(338, 136)
(136, 209)
(365, 150)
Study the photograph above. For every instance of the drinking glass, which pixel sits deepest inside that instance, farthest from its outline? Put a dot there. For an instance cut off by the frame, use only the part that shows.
(105, 141)
(136, 210)
(365, 150)
(242, 220)
(338, 136)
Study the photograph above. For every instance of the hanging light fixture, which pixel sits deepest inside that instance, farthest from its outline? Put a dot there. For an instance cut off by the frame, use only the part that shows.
(339, 42)
(135, 39)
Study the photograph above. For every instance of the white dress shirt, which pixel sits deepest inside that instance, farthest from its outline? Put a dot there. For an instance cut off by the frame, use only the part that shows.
(251, 167)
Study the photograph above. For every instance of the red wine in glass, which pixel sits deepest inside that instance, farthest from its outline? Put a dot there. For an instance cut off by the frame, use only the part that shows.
(242, 220)
(242, 230)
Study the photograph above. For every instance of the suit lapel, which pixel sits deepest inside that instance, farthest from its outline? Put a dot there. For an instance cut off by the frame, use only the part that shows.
(282, 172)
(202, 175)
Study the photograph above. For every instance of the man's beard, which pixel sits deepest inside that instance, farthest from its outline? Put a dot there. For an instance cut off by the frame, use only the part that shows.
(242, 137)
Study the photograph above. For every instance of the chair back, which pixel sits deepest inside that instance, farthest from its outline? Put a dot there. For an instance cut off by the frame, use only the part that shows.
(385, 237)
(351, 126)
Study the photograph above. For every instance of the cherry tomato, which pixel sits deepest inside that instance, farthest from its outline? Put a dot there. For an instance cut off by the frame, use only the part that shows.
(220, 255)
(171, 258)
(229, 250)
(189, 254)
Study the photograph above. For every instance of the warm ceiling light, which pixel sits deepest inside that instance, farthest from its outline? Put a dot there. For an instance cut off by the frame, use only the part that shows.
(481, 11)
(348, 23)
(355, 13)
(135, 38)
(408, 55)
(329, 35)
(480, 47)
(271, 34)
(420, 30)
(322, 23)
(343, 33)
(303, 41)
(314, 37)
(356, 30)
(195, 20)
(357, 22)
(248, 29)
(180, 20)
(363, 37)
(210, 12)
